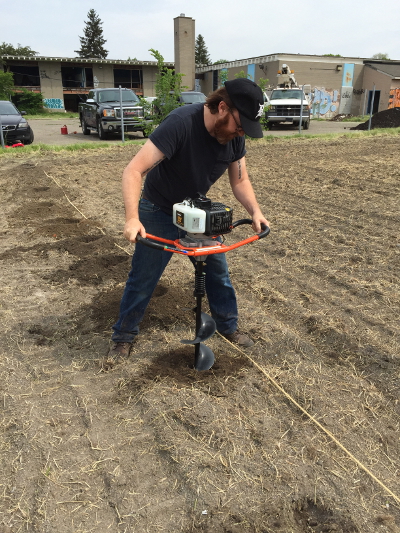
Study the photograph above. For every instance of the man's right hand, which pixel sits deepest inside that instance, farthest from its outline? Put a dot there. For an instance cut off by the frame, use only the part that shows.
(132, 228)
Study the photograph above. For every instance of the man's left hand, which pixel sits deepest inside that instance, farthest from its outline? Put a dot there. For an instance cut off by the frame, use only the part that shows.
(259, 219)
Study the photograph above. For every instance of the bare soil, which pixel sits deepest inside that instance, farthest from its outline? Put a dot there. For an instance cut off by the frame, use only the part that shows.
(298, 434)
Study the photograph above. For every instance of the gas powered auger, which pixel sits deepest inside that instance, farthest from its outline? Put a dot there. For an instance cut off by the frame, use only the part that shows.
(204, 221)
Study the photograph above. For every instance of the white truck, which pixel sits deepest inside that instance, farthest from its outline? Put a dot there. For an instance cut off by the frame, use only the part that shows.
(288, 102)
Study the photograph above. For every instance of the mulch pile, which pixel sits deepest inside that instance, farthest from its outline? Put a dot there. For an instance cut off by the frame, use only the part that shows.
(390, 118)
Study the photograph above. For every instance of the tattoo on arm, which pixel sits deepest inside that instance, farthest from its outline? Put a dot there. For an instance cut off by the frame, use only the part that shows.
(240, 168)
(153, 166)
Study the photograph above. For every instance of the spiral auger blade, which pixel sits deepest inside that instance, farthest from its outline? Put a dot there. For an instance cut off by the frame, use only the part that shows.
(205, 331)
(203, 357)
(205, 324)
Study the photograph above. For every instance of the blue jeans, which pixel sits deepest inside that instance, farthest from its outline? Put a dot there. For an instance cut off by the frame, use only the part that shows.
(148, 265)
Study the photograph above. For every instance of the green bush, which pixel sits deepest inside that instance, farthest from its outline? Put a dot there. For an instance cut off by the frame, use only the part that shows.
(6, 85)
(28, 101)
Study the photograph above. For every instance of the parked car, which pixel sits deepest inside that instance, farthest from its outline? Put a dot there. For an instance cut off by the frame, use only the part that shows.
(150, 99)
(184, 98)
(191, 97)
(102, 112)
(15, 127)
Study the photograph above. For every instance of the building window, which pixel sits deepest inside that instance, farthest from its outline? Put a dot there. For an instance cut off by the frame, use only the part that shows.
(129, 78)
(76, 77)
(25, 76)
(215, 79)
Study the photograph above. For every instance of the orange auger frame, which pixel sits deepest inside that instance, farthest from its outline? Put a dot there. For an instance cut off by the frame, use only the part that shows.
(219, 248)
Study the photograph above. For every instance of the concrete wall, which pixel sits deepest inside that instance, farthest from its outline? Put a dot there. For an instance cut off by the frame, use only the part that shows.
(149, 80)
(103, 76)
(383, 82)
(51, 84)
(184, 46)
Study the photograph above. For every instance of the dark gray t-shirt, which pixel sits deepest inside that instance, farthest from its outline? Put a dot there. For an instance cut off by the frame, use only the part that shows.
(194, 159)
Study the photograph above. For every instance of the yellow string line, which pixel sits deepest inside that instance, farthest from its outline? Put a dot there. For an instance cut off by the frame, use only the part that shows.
(330, 435)
(74, 206)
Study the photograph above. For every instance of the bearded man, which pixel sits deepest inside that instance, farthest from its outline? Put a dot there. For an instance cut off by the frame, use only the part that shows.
(188, 152)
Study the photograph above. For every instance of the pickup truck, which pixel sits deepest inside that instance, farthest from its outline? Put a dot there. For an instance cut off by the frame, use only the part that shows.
(102, 112)
(285, 105)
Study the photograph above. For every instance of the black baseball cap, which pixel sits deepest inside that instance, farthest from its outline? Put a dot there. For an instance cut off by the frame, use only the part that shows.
(247, 97)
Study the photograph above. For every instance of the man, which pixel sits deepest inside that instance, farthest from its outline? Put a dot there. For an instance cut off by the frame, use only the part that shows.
(183, 157)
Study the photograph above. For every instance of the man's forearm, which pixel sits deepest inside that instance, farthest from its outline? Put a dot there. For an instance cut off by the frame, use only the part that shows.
(131, 190)
(244, 193)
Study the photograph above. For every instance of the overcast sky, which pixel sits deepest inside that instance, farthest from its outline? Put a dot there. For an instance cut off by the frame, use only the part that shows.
(231, 30)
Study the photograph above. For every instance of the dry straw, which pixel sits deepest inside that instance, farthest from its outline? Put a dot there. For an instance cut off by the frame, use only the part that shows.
(321, 427)
(276, 384)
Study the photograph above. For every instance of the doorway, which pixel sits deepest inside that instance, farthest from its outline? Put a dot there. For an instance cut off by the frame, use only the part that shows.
(375, 106)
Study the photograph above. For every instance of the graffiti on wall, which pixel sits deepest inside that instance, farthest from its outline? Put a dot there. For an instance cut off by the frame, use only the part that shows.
(324, 102)
(346, 100)
(394, 98)
(53, 103)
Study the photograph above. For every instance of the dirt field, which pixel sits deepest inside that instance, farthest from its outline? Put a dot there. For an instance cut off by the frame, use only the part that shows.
(298, 434)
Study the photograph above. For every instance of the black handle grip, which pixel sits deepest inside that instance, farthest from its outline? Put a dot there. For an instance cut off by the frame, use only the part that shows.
(241, 222)
(149, 243)
(265, 229)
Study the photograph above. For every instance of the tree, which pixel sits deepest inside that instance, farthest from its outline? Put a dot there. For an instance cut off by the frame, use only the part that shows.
(168, 89)
(332, 55)
(220, 61)
(6, 85)
(262, 83)
(223, 76)
(242, 74)
(7, 49)
(93, 41)
(200, 52)
(381, 56)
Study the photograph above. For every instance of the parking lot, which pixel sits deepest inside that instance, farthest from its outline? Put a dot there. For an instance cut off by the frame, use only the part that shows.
(48, 131)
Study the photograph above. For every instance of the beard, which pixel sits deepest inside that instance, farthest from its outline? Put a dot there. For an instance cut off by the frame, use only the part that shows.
(220, 131)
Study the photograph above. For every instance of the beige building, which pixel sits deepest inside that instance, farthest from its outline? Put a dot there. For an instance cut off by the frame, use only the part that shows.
(64, 82)
(336, 84)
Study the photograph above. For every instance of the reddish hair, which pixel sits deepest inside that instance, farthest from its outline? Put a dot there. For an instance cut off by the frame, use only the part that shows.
(214, 99)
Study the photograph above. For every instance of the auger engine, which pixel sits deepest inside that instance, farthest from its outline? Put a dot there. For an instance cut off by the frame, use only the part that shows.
(202, 219)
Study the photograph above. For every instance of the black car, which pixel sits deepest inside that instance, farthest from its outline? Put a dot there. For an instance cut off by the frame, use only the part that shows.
(14, 125)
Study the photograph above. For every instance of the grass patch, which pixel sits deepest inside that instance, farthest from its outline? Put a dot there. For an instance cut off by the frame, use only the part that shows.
(349, 134)
(359, 118)
(56, 115)
(45, 148)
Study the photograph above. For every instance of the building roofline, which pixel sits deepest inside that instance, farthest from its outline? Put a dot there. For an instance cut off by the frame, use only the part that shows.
(82, 60)
(374, 66)
(282, 57)
(383, 61)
